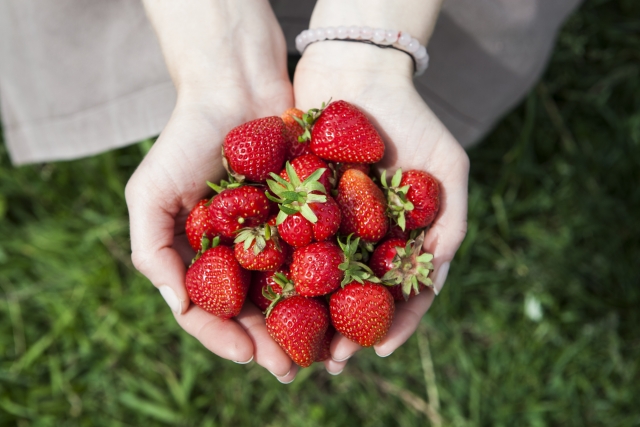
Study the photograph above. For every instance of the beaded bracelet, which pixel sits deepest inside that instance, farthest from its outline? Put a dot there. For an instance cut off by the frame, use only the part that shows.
(393, 39)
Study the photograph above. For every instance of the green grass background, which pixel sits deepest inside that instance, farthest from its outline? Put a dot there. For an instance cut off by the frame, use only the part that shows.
(553, 220)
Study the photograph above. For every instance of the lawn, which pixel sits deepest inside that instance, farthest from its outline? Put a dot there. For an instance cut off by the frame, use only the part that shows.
(538, 324)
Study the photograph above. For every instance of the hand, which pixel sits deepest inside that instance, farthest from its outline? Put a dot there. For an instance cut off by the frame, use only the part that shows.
(379, 82)
(240, 85)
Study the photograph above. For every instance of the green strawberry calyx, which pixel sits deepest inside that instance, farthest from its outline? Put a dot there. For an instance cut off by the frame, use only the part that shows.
(353, 267)
(260, 235)
(397, 202)
(224, 184)
(294, 196)
(308, 119)
(288, 289)
(411, 267)
(206, 244)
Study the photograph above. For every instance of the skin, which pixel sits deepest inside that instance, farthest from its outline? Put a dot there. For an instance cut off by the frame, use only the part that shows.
(229, 67)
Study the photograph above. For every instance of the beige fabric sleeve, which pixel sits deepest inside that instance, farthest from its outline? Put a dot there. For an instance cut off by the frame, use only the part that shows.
(79, 77)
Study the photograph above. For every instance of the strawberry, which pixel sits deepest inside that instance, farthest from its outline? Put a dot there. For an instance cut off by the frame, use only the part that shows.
(413, 198)
(299, 325)
(199, 224)
(216, 282)
(259, 282)
(340, 168)
(403, 263)
(239, 207)
(298, 231)
(305, 166)
(363, 207)
(325, 346)
(258, 249)
(320, 268)
(255, 149)
(342, 133)
(315, 269)
(362, 312)
(292, 131)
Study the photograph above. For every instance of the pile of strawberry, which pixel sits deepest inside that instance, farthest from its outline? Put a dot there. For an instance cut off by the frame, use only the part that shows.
(304, 230)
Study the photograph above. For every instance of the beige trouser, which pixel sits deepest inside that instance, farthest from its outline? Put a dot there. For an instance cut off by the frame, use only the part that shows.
(78, 77)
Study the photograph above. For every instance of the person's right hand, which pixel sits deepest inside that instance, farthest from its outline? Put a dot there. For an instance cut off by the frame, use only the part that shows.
(221, 84)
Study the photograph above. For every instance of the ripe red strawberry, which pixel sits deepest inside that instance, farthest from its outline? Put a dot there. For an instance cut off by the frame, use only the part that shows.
(298, 231)
(299, 324)
(236, 208)
(362, 312)
(404, 263)
(256, 148)
(292, 131)
(413, 198)
(363, 207)
(343, 133)
(340, 168)
(315, 268)
(257, 249)
(259, 282)
(199, 224)
(325, 346)
(306, 165)
(217, 283)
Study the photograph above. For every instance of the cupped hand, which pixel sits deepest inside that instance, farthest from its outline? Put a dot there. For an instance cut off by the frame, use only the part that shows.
(379, 82)
(172, 179)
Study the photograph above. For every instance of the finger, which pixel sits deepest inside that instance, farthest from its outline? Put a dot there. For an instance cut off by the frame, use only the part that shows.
(406, 319)
(342, 348)
(223, 337)
(290, 376)
(267, 352)
(450, 227)
(152, 229)
(333, 367)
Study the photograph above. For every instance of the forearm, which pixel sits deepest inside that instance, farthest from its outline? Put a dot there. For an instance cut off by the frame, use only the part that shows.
(205, 42)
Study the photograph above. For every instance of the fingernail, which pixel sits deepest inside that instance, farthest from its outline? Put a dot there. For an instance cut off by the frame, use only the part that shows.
(279, 378)
(384, 355)
(443, 271)
(343, 359)
(171, 299)
(335, 373)
(243, 363)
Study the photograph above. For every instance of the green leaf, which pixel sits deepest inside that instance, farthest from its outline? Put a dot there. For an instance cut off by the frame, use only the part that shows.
(383, 178)
(306, 212)
(293, 176)
(282, 215)
(397, 177)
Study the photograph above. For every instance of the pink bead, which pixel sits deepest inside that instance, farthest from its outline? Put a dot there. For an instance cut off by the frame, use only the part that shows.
(366, 33)
(321, 34)
(311, 35)
(421, 52)
(413, 46)
(354, 32)
(378, 35)
(404, 39)
(331, 33)
(391, 36)
(341, 32)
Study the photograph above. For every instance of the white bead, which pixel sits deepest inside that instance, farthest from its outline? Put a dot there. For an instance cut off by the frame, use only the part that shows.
(413, 46)
(404, 39)
(300, 45)
(331, 33)
(391, 36)
(304, 37)
(378, 35)
(354, 32)
(341, 32)
(421, 52)
(311, 35)
(366, 33)
(321, 34)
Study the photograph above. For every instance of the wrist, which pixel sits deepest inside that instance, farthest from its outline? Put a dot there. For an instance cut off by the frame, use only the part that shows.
(416, 17)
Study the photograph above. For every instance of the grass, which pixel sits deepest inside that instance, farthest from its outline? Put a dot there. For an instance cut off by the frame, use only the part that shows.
(537, 326)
